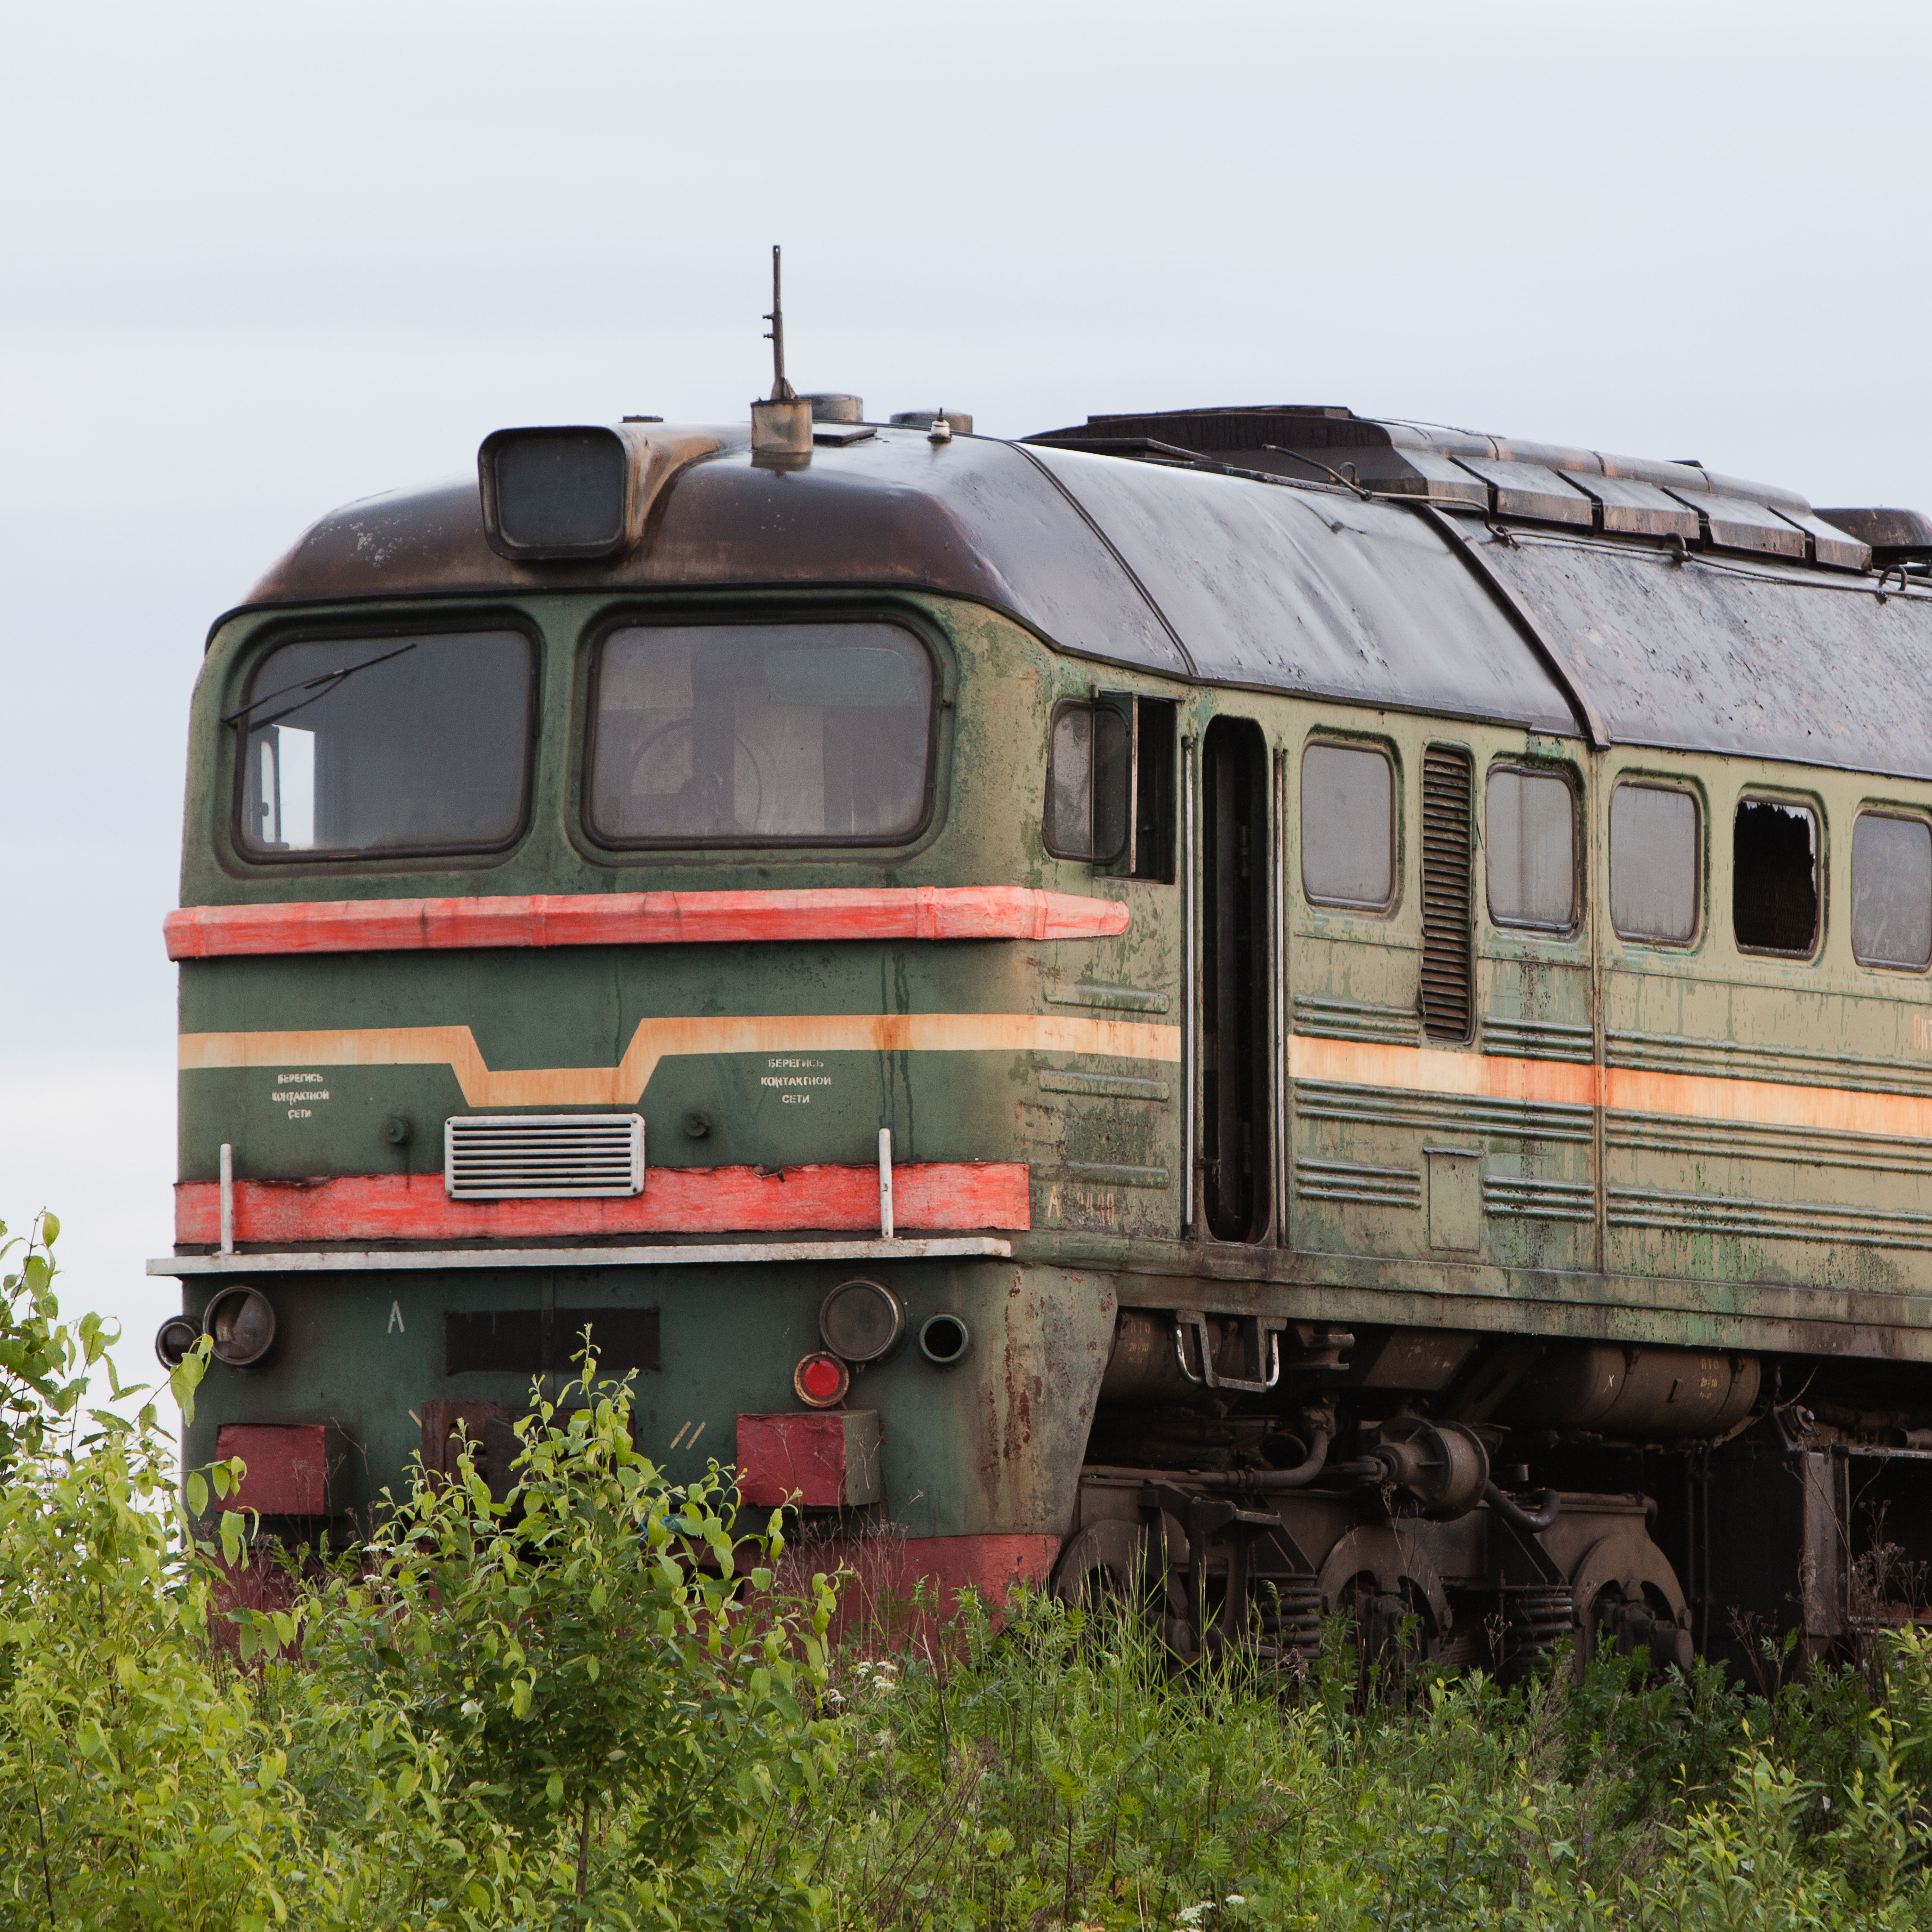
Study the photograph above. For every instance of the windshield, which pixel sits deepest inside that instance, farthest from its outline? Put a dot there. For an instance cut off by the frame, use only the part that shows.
(388, 744)
(743, 734)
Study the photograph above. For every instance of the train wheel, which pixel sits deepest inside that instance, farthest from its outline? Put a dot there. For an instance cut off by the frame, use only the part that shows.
(1627, 1596)
(1383, 1580)
(1111, 1563)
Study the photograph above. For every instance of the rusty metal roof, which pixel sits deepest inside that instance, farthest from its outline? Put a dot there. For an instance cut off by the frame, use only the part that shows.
(1437, 603)
(1708, 654)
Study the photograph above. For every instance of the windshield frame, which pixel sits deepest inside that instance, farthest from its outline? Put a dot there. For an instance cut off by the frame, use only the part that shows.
(235, 728)
(687, 616)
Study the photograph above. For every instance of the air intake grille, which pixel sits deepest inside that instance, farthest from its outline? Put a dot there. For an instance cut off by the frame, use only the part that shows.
(1445, 893)
(525, 1156)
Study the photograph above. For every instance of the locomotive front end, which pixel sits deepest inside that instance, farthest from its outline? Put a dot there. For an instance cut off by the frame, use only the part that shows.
(576, 952)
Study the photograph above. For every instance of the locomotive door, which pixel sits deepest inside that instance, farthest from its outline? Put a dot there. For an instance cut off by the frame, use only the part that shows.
(1233, 1012)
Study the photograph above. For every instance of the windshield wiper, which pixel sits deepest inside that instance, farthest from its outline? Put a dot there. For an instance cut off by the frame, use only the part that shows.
(320, 686)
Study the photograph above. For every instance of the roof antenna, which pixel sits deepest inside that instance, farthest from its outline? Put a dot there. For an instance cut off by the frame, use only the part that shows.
(782, 391)
(782, 426)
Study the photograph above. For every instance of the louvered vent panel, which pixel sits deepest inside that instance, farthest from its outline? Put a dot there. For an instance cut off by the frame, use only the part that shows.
(1445, 893)
(529, 1156)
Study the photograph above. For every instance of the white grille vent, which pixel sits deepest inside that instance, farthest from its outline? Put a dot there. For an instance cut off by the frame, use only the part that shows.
(530, 1156)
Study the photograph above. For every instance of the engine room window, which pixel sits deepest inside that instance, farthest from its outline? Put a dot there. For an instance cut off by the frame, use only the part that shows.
(1891, 890)
(383, 744)
(735, 734)
(1774, 877)
(1654, 850)
(1088, 771)
(1530, 839)
(1347, 826)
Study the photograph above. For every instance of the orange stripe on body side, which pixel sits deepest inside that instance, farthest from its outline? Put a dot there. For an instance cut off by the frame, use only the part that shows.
(1430, 1070)
(1350, 1062)
(623, 1085)
(1622, 1089)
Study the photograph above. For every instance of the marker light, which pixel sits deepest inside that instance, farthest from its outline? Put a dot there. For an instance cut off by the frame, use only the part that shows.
(862, 1321)
(242, 1325)
(821, 1381)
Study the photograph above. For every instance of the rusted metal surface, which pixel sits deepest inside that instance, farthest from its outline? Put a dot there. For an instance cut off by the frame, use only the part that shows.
(1530, 490)
(1277, 588)
(1316, 591)
(1295, 590)
(1762, 662)
(976, 518)
(1891, 534)
(1627, 508)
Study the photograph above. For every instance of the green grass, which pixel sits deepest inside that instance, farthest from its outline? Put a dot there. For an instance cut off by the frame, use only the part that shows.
(1063, 1772)
(598, 1706)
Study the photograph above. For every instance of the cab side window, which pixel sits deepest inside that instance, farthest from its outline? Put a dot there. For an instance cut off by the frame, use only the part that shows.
(1656, 848)
(1530, 834)
(1347, 826)
(1087, 782)
(1774, 877)
(1891, 890)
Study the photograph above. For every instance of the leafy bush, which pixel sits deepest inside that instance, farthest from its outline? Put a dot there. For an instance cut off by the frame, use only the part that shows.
(589, 1704)
(573, 1707)
(1064, 1773)
(590, 1655)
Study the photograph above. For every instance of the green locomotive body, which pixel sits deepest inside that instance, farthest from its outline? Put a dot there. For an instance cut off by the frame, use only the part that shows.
(1389, 981)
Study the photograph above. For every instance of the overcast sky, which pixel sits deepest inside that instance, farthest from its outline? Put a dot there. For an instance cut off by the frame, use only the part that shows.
(255, 261)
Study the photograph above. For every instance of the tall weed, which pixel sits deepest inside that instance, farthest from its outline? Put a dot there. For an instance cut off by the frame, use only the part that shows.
(590, 1704)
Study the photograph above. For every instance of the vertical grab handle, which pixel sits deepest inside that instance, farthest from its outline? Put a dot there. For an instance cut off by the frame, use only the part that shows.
(885, 1183)
(227, 1198)
(1189, 1073)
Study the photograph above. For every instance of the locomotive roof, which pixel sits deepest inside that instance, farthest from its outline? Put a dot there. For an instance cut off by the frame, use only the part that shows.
(1330, 588)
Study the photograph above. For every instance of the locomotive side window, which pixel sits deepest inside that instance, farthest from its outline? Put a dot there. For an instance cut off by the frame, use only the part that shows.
(373, 745)
(1530, 834)
(1774, 877)
(1088, 777)
(1891, 890)
(1347, 826)
(1654, 850)
(734, 734)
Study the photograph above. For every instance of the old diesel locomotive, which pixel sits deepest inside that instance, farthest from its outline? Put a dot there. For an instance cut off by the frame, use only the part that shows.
(1300, 1013)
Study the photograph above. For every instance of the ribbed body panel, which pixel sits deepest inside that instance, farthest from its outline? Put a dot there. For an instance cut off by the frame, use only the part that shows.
(1445, 893)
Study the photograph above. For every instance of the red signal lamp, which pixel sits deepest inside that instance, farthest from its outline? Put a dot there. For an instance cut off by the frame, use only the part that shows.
(821, 1381)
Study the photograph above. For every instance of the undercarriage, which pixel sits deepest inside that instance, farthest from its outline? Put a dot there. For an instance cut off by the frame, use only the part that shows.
(1479, 1502)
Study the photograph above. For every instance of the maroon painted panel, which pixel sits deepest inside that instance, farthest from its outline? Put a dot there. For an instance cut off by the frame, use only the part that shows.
(795, 1457)
(287, 1466)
